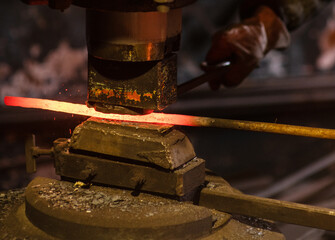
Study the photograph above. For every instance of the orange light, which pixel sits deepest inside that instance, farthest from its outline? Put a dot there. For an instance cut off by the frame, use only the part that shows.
(172, 119)
(80, 109)
(149, 50)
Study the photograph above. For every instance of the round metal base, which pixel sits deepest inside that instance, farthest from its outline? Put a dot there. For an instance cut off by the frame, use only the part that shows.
(57, 210)
(75, 213)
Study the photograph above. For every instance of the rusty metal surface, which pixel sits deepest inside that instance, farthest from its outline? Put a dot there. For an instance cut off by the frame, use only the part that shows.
(57, 201)
(52, 202)
(118, 172)
(60, 209)
(223, 197)
(149, 85)
(161, 145)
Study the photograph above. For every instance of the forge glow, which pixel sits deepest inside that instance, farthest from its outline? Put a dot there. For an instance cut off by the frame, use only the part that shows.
(171, 119)
(80, 109)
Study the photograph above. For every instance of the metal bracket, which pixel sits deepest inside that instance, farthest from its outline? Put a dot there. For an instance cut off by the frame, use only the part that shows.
(33, 152)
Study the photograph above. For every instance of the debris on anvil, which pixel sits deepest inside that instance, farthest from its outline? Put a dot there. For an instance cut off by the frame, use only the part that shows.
(76, 197)
(64, 195)
(7, 200)
(80, 184)
(11, 196)
(256, 224)
(87, 184)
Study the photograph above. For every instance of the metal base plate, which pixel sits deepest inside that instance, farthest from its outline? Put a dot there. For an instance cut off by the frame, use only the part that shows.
(74, 213)
(55, 206)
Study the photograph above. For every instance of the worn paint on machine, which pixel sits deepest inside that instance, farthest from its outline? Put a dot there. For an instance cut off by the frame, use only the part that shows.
(131, 95)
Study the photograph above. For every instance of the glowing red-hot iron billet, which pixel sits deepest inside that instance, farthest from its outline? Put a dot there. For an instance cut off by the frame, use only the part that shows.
(81, 109)
(173, 119)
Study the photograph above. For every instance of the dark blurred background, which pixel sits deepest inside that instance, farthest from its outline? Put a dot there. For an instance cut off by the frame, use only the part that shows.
(43, 54)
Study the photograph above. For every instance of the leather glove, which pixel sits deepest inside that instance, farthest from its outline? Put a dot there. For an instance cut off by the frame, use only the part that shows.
(245, 44)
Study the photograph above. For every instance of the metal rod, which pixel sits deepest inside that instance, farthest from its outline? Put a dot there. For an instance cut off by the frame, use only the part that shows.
(266, 127)
(185, 87)
(30, 159)
(237, 203)
(41, 152)
(174, 119)
(215, 72)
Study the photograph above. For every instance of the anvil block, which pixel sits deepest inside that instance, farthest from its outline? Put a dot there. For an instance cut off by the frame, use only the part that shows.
(158, 145)
(182, 182)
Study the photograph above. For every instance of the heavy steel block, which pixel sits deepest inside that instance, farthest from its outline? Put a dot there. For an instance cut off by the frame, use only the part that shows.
(161, 145)
(181, 182)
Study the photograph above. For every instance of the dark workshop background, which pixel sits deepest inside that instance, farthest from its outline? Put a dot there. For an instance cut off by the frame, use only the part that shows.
(42, 54)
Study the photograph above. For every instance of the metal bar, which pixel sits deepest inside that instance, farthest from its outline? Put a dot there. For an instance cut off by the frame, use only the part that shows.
(216, 72)
(30, 159)
(37, 152)
(266, 127)
(282, 211)
(174, 119)
(185, 87)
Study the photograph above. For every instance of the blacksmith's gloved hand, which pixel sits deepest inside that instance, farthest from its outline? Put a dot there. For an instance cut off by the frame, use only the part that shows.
(245, 44)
